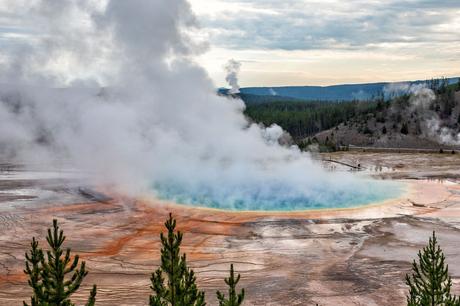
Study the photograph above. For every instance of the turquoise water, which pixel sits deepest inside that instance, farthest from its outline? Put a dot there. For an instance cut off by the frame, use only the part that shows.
(277, 196)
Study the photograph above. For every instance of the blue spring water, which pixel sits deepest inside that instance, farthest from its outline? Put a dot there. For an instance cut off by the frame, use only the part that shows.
(276, 196)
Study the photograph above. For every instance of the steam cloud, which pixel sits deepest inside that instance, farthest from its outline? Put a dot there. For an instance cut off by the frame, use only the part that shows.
(109, 87)
(420, 101)
(233, 69)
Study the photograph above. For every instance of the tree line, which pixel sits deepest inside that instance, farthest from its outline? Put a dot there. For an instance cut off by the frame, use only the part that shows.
(305, 118)
(55, 276)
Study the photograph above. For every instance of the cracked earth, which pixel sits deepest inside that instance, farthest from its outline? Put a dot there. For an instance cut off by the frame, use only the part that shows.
(331, 257)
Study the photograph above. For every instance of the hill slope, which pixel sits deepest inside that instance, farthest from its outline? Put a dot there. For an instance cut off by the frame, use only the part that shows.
(426, 118)
(346, 92)
(421, 120)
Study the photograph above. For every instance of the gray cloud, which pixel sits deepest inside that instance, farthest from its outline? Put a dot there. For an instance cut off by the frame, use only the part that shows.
(300, 25)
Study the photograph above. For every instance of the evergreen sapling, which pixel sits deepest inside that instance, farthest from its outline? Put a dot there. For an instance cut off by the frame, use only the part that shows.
(49, 275)
(430, 283)
(178, 288)
(234, 299)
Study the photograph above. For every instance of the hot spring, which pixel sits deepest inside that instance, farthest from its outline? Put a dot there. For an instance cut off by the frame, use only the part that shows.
(278, 195)
(148, 117)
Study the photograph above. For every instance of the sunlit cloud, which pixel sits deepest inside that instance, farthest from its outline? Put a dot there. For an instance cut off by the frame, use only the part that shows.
(306, 41)
(332, 41)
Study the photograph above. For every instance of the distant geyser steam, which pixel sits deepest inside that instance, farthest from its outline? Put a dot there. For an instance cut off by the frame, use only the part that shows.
(109, 87)
(233, 68)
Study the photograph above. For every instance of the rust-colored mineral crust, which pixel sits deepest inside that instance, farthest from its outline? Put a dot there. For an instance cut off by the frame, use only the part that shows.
(330, 257)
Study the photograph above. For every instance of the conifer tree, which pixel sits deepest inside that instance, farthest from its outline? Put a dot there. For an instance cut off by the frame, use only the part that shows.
(405, 129)
(430, 283)
(49, 275)
(179, 288)
(33, 261)
(234, 299)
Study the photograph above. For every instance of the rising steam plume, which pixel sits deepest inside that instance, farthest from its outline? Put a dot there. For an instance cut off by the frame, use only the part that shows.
(420, 102)
(233, 69)
(108, 86)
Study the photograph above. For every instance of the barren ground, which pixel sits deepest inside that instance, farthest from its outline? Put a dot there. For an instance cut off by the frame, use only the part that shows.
(334, 257)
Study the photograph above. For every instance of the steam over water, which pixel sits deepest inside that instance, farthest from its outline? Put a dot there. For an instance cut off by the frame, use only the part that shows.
(276, 196)
(111, 87)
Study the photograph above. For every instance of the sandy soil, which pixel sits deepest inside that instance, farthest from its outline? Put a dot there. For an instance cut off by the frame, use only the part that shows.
(331, 257)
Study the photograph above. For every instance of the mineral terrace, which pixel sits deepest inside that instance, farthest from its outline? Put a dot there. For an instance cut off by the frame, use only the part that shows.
(330, 257)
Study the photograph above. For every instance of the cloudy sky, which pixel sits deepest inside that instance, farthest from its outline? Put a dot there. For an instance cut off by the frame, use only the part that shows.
(309, 42)
(298, 42)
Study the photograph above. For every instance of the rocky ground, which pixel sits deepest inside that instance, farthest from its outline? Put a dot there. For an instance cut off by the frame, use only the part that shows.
(351, 135)
(384, 128)
(330, 257)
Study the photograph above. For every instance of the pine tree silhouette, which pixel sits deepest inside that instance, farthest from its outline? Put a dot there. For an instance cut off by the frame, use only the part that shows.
(430, 283)
(48, 275)
(234, 299)
(179, 288)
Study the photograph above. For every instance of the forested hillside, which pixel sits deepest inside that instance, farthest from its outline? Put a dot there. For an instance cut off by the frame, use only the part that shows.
(304, 118)
(426, 117)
